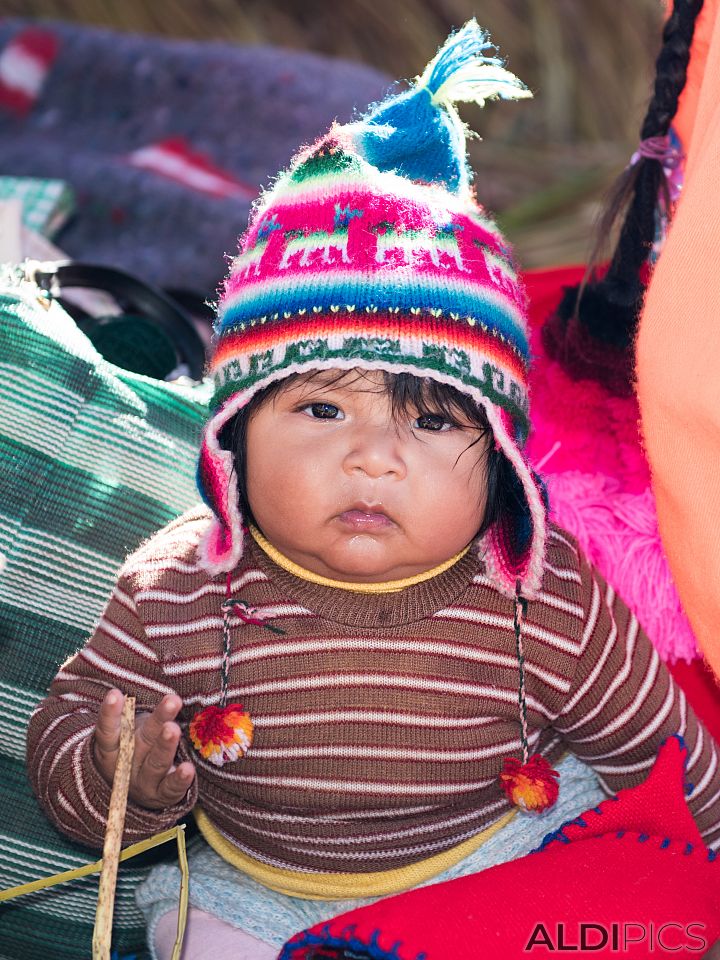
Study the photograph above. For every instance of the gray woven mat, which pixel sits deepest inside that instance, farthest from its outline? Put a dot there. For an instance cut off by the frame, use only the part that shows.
(224, 116)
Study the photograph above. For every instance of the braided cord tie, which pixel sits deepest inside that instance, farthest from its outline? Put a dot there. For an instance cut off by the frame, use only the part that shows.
(529, 783)
(245, 613)
(518, 617)
(223, 732)
(226, 606)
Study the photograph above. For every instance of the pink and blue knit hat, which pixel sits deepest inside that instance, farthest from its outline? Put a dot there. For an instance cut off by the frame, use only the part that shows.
(371, 251)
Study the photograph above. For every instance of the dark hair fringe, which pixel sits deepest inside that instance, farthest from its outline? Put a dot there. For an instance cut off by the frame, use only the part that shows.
(608, 308)
(407, 392)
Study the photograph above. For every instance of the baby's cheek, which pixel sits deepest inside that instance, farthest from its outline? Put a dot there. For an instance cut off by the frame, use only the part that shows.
(269, 486)
(457, 489)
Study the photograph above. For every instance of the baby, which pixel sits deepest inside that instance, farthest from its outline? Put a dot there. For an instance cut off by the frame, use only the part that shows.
(374, 646)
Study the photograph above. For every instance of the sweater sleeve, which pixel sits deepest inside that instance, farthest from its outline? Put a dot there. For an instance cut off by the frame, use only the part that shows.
(623, 703)
(60, 758)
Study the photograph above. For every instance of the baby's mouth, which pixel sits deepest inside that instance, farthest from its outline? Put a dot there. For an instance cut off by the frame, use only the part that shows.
(365, 517)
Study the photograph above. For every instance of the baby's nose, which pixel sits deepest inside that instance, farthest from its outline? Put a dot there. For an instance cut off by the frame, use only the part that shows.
(376, 450)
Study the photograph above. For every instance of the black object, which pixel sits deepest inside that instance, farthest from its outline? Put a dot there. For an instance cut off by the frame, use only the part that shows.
(152, 336)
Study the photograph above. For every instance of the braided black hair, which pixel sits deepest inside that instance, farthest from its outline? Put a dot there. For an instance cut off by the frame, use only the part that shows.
(607, 310)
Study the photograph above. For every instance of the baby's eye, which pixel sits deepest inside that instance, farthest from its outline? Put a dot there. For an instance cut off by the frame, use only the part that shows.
(323, 411)
(432, 421)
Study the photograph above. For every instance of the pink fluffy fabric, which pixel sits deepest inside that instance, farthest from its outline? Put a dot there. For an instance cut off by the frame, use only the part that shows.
(619, 534)
(586, 444)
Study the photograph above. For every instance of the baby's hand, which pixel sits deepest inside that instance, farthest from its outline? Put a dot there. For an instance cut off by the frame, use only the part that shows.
(155, 781)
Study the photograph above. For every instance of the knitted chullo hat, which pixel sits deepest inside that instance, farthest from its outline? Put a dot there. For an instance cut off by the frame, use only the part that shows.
(371, 251)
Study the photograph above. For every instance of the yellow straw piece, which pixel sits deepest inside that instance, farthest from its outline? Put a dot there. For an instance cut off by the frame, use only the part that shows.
(174, 833)
(127, 854)
(184, 893)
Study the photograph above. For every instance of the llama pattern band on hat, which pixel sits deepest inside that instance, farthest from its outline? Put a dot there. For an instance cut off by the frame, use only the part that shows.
(371, 251)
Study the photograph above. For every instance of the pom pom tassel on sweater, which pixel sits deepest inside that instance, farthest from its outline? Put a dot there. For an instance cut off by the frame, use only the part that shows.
(530, 783)
(223, 733)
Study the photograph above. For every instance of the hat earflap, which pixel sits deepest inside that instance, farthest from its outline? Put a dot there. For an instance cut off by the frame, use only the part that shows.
(221, 548)
(513, 548)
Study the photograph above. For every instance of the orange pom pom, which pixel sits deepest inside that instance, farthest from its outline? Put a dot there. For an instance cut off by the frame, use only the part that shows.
(532, 785)
(222, 734)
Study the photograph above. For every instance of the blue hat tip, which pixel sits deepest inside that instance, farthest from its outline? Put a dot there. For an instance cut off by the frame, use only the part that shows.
(410, 136)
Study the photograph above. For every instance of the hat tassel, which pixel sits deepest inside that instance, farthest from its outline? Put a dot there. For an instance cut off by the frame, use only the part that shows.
(461, 72)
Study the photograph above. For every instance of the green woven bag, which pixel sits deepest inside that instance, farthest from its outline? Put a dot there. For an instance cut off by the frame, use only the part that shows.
(93, 460)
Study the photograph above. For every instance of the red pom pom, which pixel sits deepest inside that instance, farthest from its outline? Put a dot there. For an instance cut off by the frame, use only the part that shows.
(222, 734)
(532, 785)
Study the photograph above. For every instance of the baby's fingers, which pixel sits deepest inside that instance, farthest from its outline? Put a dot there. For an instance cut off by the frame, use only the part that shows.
(148, 782)
(107, 732)
(174, 786)
(157, 782)
(149, 727)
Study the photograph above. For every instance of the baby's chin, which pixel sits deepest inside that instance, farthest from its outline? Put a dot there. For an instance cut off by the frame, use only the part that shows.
(365, 559)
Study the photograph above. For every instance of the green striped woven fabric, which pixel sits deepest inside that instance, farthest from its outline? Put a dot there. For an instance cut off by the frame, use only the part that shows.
(92, 461)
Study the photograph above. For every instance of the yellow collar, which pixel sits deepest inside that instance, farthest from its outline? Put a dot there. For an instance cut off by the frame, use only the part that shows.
(390, 586)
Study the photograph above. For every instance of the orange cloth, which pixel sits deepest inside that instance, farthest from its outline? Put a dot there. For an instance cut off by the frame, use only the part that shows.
(684, 120)
(678, 356)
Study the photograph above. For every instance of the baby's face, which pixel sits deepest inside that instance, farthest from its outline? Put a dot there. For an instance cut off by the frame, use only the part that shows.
(347, 491)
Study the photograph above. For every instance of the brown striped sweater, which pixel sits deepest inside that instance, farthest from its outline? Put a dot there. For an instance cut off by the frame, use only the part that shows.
(381, 720)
